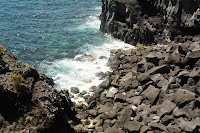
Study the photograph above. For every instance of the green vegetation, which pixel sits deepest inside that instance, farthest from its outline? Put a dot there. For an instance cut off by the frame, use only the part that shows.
(2, 60)
(138, 45)
(21, 120)
(79, 105)
(16, 80)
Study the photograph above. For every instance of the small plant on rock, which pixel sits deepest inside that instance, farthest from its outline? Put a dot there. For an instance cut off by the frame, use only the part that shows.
(16, 80)
(139, 45)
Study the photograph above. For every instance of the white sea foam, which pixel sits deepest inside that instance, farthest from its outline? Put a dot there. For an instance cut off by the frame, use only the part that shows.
(69, 73)
(92, 23)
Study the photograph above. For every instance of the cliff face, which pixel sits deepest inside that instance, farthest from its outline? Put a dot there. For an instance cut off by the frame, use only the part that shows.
(29, 103)
(150, 21)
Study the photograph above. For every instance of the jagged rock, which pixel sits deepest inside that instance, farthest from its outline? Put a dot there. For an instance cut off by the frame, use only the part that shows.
(189, 126)
(117, 107)
(119, 97)
(166, 108)
(111, 93)
(173, 129)
(179, 112)
(133, 126)
(167, 119)
(143, 78)
(136, 100)
(159, 69)
(107, 107)
(154, 58)
(113, 130)
(144, 129)
(183, 96)
(151, 93)
(158, 126)
(125, 117)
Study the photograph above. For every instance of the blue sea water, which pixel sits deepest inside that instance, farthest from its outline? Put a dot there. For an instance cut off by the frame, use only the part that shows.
(50, 33)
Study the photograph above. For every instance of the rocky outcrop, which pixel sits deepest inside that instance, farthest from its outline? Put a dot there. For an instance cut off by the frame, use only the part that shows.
(152, 89)
(151, 21)
(28, 101)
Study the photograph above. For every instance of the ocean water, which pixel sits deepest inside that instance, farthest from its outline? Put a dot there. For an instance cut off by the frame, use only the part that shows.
(49, 34)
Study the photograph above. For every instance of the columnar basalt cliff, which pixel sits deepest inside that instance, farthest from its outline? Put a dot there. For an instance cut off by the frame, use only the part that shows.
(28, 101)
(151, 21)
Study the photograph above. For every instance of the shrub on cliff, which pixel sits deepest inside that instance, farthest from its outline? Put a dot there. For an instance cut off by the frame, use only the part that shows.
(2, 60)
(16, 80)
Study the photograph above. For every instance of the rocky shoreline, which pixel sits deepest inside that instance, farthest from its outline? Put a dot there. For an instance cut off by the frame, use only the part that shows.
(155, 89)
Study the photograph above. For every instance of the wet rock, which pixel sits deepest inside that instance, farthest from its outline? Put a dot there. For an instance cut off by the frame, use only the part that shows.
(84, 57)
(92, 88)
(74, 90)
(83, 92)
(103, 57)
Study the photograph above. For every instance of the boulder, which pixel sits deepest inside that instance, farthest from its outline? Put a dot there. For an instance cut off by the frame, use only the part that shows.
(136, 100)
(179, 112)
(133, 126)
(119, 97)
(113, 130)
(158, 126)
(166, 108)
(159, 69)
(125, 117)
(173, 129)
(74, 90)
(182, 97)
(84, 57)
(107, 107)
(92, 88)
(189, 126)
(151, 93)
(154, 57)
(111, 92)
